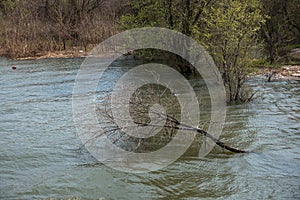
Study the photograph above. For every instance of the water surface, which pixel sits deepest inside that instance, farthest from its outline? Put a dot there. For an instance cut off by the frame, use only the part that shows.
(41, 156)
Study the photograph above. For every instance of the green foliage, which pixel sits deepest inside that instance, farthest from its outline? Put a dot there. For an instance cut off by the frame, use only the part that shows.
(174, 14)
(144, 14)
(226, 28)
(149, 13)
(231, 27)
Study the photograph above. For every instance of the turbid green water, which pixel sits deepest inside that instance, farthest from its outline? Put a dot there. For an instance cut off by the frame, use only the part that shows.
(40, 155)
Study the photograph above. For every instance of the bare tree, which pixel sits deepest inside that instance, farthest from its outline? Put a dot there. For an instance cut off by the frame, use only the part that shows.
(38, 26)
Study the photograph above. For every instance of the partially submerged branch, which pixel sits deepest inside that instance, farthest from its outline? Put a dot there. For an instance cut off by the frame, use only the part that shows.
(180, 126)
(144, 114)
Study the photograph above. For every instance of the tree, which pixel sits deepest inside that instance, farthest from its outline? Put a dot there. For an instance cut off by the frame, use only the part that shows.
(75, 19)
(226, 28)
(180, 15)
(230, 27)
(39, 26)
(281, 29)
(18, 27)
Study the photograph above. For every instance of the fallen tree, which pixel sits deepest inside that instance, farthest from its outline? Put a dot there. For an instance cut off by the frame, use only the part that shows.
(140, 112)
(180, 126)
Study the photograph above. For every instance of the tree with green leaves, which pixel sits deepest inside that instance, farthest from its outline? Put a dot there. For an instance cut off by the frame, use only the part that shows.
(226, 28)
(230, 27)
(180, 15)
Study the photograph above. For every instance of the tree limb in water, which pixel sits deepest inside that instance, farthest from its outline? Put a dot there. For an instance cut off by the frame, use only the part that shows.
(140, 111)
(180, 126)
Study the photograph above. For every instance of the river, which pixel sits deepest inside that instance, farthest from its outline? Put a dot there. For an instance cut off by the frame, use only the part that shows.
(41, 155)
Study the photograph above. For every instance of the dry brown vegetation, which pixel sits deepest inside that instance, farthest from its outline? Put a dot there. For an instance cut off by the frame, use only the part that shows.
(37, 27)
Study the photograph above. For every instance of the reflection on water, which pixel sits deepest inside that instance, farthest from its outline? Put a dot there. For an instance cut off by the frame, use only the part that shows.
(41, 156)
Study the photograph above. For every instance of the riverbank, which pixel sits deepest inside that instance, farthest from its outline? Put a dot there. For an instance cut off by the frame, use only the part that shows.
(76, 53)
(285, 72)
